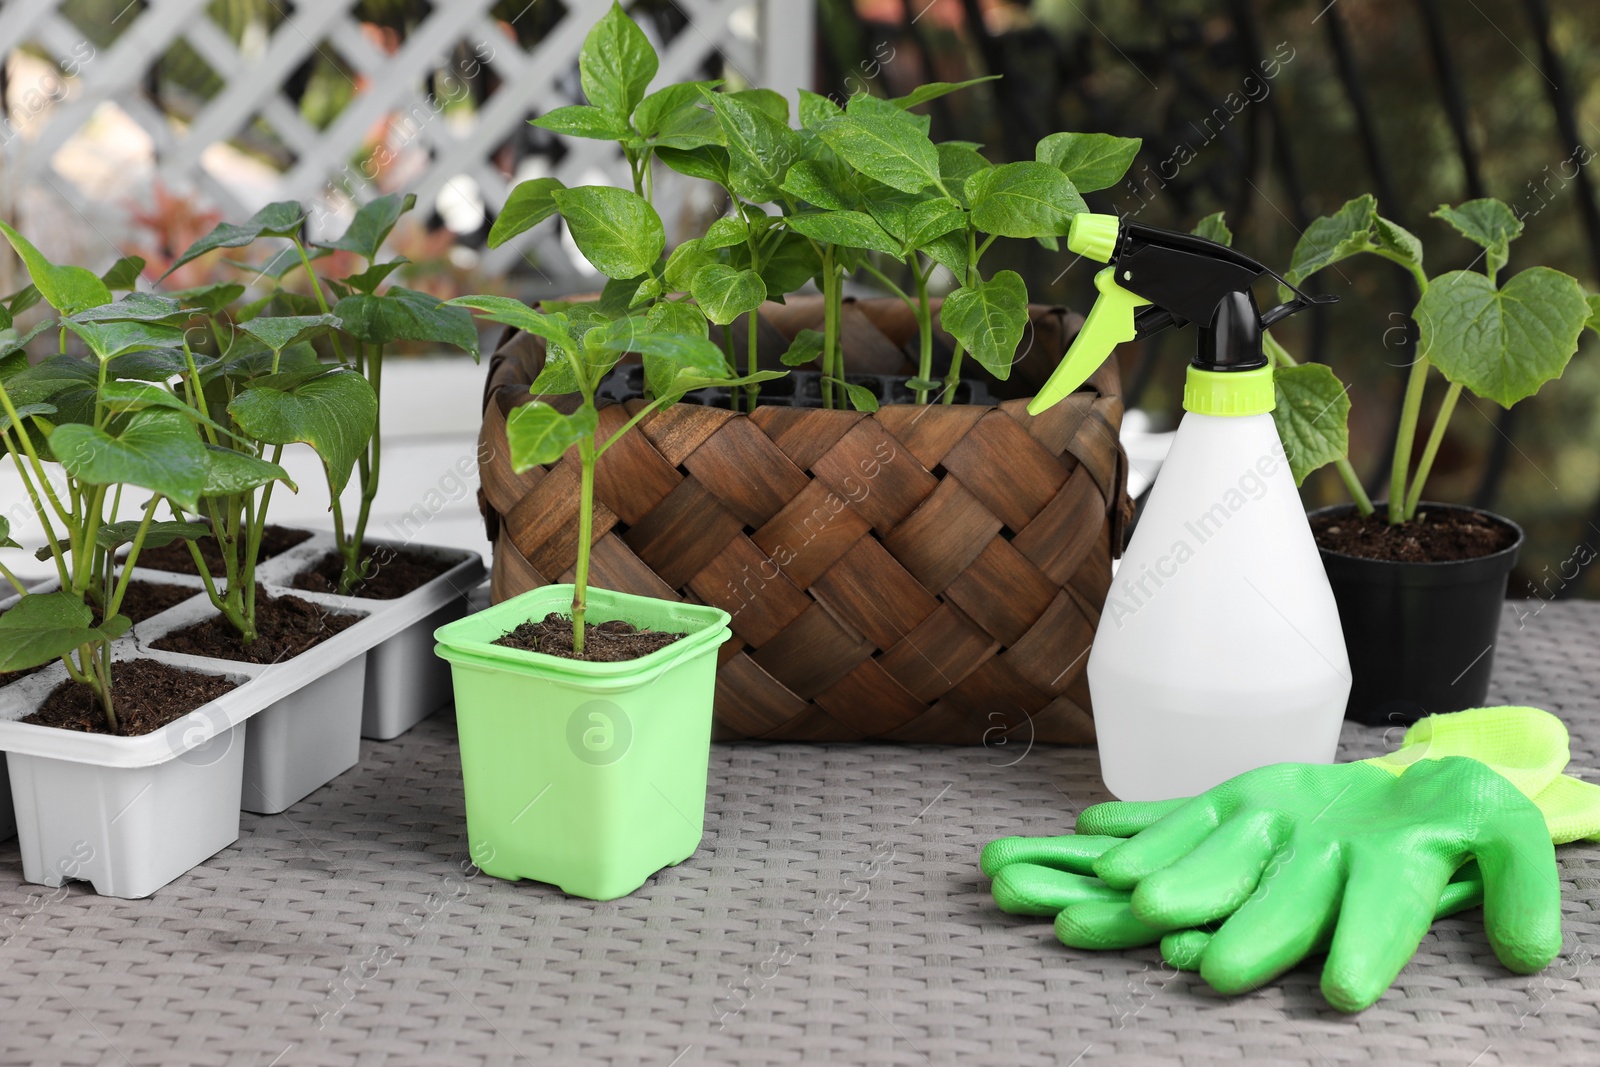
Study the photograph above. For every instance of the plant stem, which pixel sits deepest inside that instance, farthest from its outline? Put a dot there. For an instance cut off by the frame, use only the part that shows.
(924, 312)
(1353, 486)
(753, 390)
(580, 579)
(369, 479)
(1406, 439)
(952, 377)
(38, 507)
(100, 659)
(1447, 407)
(830, 326)
(316, 291)
(15, 583)
(114, 601)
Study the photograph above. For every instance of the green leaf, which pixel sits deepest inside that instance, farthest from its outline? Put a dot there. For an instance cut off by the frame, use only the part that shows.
(368, 280)
(760, 148)
(1023, 200)
(989, 319)
(281, 219)
(685, 261)
(1487, 222)
(1502, 344)
(806, 348)
(676, 116)
(616, 230)
(113, 536)
(67, 289)
(335, 414)
(23, 299)
(688, 381)
(123, 275)
(45, 626)
(861, 398)
(709, 163)
(812, 181)
(508, 312)
(1332, 238)
(816, 109)
(209, 299)
(1214, 228)
(152, 365)
(5, 534)
(680, 318)
(24, 411)
(1091, 161)
(119, 397)
(725, 293)
(616, 64)
(933, 218)
(372, 225)
(155, 450)
(887, 147)
(581, 120)
(111, 339)
(538, 434)
(852, 229)
(1594, 313)
(136, 307)
(774, 103)
(529, 204)
(933, 90)
(959, 161)
(725, 232)
(406, 315)
(1398, 242)
(793, 263)
(52, 378)
(13, 351)
(1312, 415)
(281, 332)
(229, 473)
(950, 252)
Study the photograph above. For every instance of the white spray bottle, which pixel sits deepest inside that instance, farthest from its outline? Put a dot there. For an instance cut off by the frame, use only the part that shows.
(1219, 648)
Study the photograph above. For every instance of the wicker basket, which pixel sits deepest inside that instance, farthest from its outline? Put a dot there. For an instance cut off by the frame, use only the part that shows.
(925, 573)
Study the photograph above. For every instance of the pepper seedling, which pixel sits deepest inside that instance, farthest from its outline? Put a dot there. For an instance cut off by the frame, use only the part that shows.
(678, 358)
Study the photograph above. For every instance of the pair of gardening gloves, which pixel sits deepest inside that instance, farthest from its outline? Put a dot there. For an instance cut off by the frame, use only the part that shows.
(1354, 860)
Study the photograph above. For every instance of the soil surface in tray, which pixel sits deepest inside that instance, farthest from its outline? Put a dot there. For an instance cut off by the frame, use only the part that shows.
(394, 573)
(275, 540)
(1437, 537)
(605, 642)
(146, 695)
(143, 600)
(285, 627)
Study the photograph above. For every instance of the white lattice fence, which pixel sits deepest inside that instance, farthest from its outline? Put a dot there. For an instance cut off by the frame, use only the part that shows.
(432, 147)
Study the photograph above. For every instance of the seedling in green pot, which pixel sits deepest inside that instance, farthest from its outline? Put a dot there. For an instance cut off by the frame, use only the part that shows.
(678, 358)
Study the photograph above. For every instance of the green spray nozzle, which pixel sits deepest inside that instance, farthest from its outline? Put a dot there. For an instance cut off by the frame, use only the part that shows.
(1110, 323)
(1178, 278)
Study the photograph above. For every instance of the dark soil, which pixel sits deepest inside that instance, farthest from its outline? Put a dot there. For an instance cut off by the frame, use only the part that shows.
(394, 573)
(1439, 537)
(285, 627)
(142, 601)
(175, 558)
(606, 642)
(146, 695)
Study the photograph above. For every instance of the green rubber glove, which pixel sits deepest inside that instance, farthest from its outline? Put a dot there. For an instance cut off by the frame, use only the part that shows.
(1370, 836)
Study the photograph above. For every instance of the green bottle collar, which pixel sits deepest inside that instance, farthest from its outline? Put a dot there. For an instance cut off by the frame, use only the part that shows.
(1238, 392)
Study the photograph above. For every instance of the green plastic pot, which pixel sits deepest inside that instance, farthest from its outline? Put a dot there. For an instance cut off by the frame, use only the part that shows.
(589, 776)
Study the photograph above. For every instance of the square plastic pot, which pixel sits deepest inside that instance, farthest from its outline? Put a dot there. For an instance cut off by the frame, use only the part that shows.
(589, 776)
(405, 682)
(126, 814)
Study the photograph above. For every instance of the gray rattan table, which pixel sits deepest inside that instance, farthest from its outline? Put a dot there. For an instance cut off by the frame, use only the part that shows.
(833, 915)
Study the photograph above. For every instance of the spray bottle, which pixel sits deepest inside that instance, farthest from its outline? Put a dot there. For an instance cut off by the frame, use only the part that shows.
(1219, 648)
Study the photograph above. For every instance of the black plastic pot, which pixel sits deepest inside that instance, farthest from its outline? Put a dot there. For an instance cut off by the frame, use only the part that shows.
(1420, 636)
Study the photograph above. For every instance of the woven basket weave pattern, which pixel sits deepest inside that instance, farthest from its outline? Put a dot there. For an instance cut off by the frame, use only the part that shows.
(925, 573)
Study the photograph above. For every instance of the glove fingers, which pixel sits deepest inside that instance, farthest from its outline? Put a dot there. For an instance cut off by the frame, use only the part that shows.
(1184, 949)
(1387, 909)
(1571, 808)
(1521, 891)
(1464, 891)
(1288, 917)
(1029, 889)
(1073, 852)
(1124, 818)
(1103, 924)
(1159, 846)
(1215, 878)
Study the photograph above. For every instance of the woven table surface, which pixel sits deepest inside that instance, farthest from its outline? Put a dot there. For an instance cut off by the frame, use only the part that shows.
(833, 915)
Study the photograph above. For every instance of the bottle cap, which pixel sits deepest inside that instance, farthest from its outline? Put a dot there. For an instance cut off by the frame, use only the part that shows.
(1229, 392)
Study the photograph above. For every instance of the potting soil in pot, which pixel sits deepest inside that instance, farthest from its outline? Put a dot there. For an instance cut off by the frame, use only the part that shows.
(1440, 538)
(285, 627)
(275, 540)
(606, 642)
(392, 573)
(147, 695)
